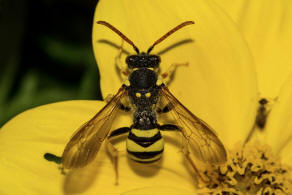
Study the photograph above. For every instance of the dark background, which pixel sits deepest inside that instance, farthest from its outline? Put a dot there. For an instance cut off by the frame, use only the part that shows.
(45, 54)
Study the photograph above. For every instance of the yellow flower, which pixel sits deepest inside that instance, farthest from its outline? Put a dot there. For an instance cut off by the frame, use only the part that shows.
(219, 86)
(266, 26)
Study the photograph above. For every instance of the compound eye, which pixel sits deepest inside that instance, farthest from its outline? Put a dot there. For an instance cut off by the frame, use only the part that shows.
(132, 61)
(155, 60)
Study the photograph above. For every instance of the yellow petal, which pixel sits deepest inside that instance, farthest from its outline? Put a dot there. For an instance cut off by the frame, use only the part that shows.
(158, 190)
(286, 155)
(278, 132)
(26, 138)
(46, 129)
(219, 83)
(267, 27)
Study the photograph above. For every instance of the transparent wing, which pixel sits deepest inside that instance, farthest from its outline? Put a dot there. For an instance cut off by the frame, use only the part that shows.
(201, 139)
(85, 143)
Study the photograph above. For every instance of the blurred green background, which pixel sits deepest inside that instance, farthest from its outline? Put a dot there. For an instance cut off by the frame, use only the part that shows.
(45, 54)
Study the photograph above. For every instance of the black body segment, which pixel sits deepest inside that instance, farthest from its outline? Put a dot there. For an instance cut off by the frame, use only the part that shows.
(143, 78)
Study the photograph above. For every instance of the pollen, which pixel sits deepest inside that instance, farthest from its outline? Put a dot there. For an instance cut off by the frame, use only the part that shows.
(250, 169)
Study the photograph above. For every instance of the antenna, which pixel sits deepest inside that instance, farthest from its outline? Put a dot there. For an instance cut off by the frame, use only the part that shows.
(169, 33)
(119, 33)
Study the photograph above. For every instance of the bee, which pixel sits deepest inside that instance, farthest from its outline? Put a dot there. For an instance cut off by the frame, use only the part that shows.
(146, 91)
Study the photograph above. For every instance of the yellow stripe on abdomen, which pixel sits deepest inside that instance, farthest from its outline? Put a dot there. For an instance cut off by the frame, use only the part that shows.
(145, 133)
(134, 147)
(145, 145)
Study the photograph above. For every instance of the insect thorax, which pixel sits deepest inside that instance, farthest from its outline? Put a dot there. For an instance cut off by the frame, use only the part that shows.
(143, 91)
(143, 94)
(143, 78)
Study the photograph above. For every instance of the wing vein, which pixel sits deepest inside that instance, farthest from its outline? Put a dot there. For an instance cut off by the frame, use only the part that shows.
(201, 139)
(85, 143)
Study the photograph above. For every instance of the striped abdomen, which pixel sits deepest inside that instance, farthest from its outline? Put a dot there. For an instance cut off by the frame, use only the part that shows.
(145, 145)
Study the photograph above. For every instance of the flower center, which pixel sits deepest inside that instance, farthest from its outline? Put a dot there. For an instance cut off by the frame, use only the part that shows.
(250, 169)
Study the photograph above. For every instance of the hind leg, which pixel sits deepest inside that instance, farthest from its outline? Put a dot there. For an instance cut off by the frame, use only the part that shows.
(112, 150)
(187, 155)
(186, 152)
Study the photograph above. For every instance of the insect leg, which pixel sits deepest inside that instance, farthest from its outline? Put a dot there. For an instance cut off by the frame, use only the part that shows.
(108, 98)
(119, 131)
(122, 67)
(112, 150)
(167, 76)
(171, 127)
(186, 153)
(168, 127)
(125, 108)
(165, 109)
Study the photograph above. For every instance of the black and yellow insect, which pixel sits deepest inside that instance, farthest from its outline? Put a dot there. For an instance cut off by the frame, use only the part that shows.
(148, 97)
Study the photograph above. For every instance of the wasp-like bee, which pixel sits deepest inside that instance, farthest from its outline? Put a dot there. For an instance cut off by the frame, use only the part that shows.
(145, 91)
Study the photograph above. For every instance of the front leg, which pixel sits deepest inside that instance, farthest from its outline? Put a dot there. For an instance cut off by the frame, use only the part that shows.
(122, 67)
(167, 76)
